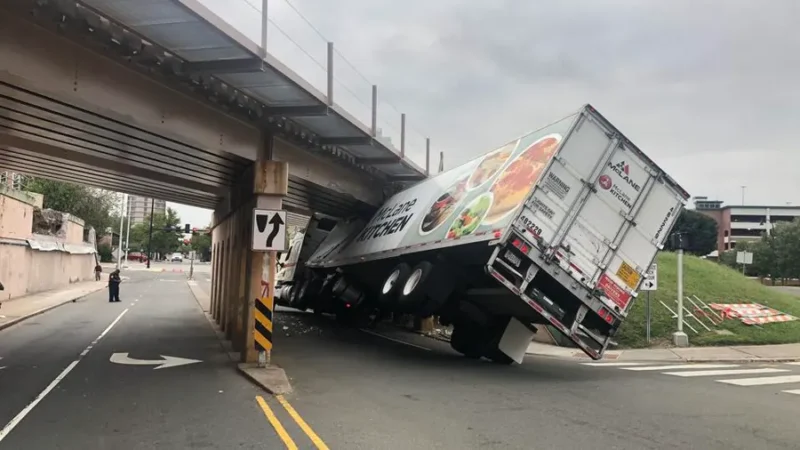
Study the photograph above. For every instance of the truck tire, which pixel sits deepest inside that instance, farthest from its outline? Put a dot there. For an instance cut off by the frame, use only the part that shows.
(307, 292)
(413, 294)
(465, 342)
(498, 357)
(392, 285)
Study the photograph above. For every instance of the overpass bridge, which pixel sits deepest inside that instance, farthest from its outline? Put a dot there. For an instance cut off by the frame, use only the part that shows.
(163, 99)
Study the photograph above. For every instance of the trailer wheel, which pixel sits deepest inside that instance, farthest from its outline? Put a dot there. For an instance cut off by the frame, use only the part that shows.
(393, 284)
(413, 293)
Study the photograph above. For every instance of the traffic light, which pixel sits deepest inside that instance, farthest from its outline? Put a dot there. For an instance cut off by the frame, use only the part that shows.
(187, 228)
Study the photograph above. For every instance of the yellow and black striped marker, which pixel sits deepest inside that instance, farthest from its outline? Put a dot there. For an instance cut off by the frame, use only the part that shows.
(263, 323)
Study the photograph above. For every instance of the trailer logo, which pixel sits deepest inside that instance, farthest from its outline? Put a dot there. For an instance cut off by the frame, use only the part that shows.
(623, 170)
(664, 223)
(605, 182)
(388, 220)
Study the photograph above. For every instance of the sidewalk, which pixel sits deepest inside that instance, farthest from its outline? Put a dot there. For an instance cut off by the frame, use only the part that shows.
(18, 309)
(735, 354)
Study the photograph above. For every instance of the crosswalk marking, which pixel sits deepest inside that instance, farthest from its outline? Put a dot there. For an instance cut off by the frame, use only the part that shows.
(761, 381)
(681, 366)
(613, 364)
(793, 363)
(793, 391)
(709, 373)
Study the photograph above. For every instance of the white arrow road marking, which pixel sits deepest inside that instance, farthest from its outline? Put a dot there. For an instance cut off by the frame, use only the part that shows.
(168, 361)
(25, 411)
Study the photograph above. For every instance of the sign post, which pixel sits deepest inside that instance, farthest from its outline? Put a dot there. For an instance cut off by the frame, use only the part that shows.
(744, 258)
(650, 283)
(269, 235)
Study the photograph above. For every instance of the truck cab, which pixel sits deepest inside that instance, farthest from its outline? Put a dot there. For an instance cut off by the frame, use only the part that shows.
(291, 264)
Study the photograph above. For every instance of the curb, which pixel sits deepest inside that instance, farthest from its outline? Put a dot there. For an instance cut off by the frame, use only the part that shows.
(272, 379)
(740, 360)
(13, 322)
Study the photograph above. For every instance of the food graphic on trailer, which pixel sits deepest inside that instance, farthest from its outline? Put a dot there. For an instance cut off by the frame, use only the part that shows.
(513, 184)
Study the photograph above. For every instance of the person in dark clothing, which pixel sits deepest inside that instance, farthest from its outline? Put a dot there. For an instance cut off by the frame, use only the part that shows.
(113, 286)
(98, 269)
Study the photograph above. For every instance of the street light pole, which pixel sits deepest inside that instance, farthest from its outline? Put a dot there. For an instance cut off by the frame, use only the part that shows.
(150, 233)
(128, 234)
(121, 223)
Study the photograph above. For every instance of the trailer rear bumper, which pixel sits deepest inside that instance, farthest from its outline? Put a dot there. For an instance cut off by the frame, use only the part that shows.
(516, 274)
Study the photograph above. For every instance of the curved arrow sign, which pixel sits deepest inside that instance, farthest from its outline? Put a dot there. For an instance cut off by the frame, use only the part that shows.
(168, 361)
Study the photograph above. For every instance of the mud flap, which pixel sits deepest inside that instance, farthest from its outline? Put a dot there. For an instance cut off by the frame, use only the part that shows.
(515, 340)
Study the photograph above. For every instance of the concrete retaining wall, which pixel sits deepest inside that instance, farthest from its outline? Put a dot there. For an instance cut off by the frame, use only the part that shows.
(25, 270)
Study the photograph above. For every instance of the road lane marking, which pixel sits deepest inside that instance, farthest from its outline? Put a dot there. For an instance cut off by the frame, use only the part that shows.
(793, 391)
(762, 381)
(394, 340)
(25, 411)
(302, 424)
(613, 364)
(18, 418)
(708, 373)
(681, 366)
(792, 364)
(276, 424)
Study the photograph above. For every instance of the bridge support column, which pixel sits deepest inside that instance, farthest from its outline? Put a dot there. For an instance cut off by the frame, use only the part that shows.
(270, 185)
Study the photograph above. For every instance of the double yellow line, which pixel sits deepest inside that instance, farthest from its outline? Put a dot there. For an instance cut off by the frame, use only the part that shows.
(276, 424)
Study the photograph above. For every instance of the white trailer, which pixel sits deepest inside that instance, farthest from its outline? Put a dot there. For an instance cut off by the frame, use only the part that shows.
(555, 227)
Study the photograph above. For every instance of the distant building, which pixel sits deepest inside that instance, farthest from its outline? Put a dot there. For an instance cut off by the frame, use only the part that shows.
(139, 208)
(742, 223)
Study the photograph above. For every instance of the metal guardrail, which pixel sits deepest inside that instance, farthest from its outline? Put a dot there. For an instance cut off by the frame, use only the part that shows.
(289, 36)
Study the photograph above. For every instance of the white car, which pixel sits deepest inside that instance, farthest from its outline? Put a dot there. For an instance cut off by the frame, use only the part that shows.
(176, 257)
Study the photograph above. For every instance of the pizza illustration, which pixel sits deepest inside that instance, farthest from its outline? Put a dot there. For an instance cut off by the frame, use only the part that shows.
(490, 165)
(514, 183)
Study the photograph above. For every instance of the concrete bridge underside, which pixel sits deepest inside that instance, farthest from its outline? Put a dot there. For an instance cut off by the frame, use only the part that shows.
(76, 113)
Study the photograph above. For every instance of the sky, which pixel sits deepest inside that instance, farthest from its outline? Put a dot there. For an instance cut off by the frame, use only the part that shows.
(710, 90)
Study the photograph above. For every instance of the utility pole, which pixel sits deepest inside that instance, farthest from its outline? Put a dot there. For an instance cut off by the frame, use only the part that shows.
(121, 223)
(743, 188)
(150, 233)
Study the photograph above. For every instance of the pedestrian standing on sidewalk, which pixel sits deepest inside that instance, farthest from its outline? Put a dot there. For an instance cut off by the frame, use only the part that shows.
(113, 286)
(98, 269)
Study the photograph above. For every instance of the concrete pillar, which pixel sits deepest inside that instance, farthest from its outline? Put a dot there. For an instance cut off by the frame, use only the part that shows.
(270, 185)
(239, 336)
(214, 275)
(222, 275)
(233, 276)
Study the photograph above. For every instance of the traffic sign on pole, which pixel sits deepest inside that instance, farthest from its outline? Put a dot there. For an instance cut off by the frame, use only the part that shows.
(650, 282)
(269, 230)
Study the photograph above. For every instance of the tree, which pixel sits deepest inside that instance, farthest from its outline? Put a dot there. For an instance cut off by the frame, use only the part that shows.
(92, 205)
(164, 242)
(201, 243)
(776, 255)
(700, 230)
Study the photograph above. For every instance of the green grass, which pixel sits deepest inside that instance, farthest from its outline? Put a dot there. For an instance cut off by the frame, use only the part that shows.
(713, 283)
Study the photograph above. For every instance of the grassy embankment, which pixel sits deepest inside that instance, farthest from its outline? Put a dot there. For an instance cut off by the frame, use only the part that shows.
(713, 283)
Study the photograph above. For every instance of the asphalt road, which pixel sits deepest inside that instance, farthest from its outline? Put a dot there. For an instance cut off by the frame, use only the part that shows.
(364, 391)
(353, 389)
(98, 404)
